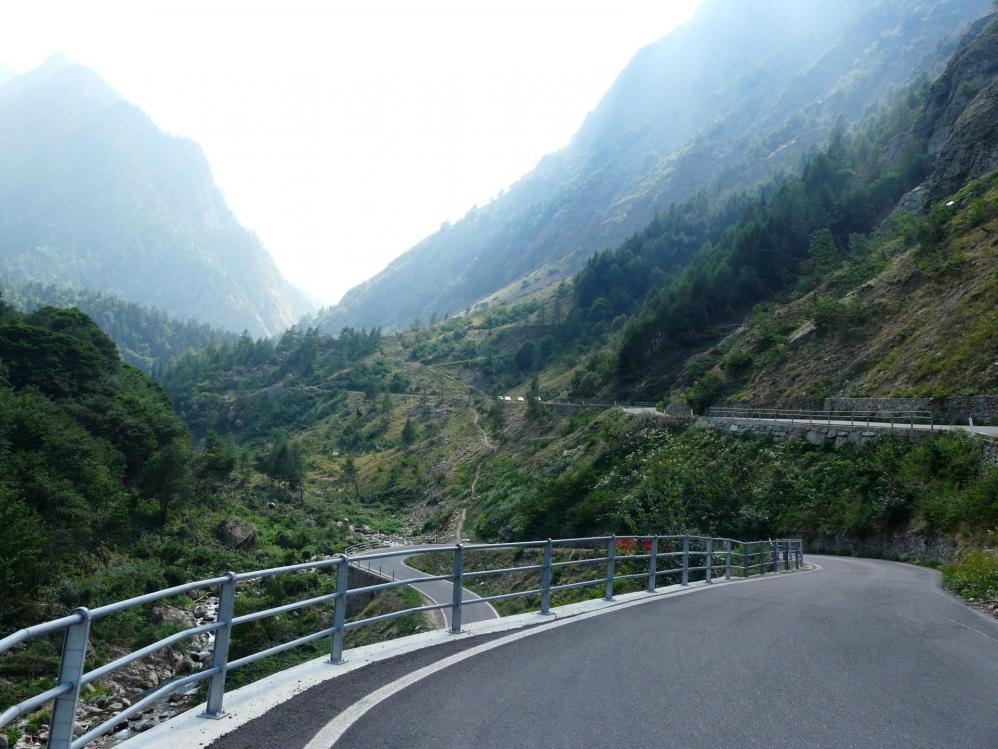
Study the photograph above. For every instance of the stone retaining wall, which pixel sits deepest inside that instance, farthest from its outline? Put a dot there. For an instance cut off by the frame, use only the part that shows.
(990, 451)
(903, 546)
(835, 435)
(817, 434)
(679, 409)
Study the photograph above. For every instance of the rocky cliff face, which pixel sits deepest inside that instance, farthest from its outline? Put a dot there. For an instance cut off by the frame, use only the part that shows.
(960, 124)
(971, 150)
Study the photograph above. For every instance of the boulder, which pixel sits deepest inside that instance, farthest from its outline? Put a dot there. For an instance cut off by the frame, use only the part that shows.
(237, 533)
(173, 614)
(815, 438)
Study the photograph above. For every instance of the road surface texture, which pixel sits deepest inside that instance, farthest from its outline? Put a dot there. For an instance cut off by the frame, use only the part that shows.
(438, 591)
(860, 653)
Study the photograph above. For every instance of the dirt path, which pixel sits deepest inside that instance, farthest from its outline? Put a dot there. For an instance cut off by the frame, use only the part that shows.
(486, 443)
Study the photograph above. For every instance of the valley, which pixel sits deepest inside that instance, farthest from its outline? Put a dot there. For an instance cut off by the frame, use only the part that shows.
(835, 239)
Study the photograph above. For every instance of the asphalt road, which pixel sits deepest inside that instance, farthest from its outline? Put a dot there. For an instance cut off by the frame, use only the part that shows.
(438, 591)
(859, 654)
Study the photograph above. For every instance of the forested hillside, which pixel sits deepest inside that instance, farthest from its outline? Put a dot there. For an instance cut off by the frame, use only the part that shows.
(94, 196)
(103, 495)
(91, 452)
(146, 338)
(721, 104)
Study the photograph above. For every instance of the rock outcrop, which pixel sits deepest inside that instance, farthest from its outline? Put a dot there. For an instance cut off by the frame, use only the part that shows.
(960, 122)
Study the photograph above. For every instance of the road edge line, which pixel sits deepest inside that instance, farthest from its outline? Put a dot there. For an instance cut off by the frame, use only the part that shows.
(333, 731)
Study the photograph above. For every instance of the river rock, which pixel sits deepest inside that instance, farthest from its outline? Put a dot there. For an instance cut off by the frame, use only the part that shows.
(172, 614)
(237, 533)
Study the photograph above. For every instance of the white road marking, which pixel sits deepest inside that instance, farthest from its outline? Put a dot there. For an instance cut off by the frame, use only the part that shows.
(329, 734)
(472, 595)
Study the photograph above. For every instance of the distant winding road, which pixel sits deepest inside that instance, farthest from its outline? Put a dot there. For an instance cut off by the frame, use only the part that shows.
(860, 653)
(438, 591)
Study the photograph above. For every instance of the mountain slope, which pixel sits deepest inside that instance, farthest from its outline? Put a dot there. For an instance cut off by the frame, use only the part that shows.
(802, 228)
(927, 324)
(93, 195)
(723, 103)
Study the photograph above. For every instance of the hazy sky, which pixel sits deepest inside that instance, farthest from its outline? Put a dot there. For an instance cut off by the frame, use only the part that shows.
(343, 132)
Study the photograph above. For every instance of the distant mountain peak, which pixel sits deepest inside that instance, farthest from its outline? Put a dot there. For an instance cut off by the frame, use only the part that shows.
(56, 62)
(93, 195)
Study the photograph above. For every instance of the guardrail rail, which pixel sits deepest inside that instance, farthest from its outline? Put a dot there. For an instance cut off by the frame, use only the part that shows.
(891, 419)
(679, 555)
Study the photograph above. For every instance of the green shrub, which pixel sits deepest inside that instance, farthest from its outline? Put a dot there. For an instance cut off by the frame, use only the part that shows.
(835, 316)
(704, 392)
(974, 575)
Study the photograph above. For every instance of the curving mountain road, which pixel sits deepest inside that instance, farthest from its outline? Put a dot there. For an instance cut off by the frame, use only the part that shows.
(437, 591)
(860, 653)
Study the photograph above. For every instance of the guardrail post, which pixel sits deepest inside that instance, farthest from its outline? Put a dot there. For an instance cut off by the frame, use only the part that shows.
(708, 561)
(745, 559)
(74, 653)
(653, 565)
(786, 556)
(772, 557)
(546, 578)
(727, 559)
(340, 610)
(220, 652)
(458, 599)
(686, 560)
(762, 558)
(611, 558)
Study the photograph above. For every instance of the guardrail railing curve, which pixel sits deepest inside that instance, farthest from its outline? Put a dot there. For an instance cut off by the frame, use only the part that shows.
(771, 555)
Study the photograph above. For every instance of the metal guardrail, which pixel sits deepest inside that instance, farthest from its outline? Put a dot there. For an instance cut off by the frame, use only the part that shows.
(893, 419)
(364, 546)
(771, 554)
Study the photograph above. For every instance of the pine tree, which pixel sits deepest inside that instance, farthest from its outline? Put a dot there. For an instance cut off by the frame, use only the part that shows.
(351, 475)
(409, 432)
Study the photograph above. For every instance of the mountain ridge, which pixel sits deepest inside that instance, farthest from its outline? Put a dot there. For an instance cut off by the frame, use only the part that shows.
(627, 162)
